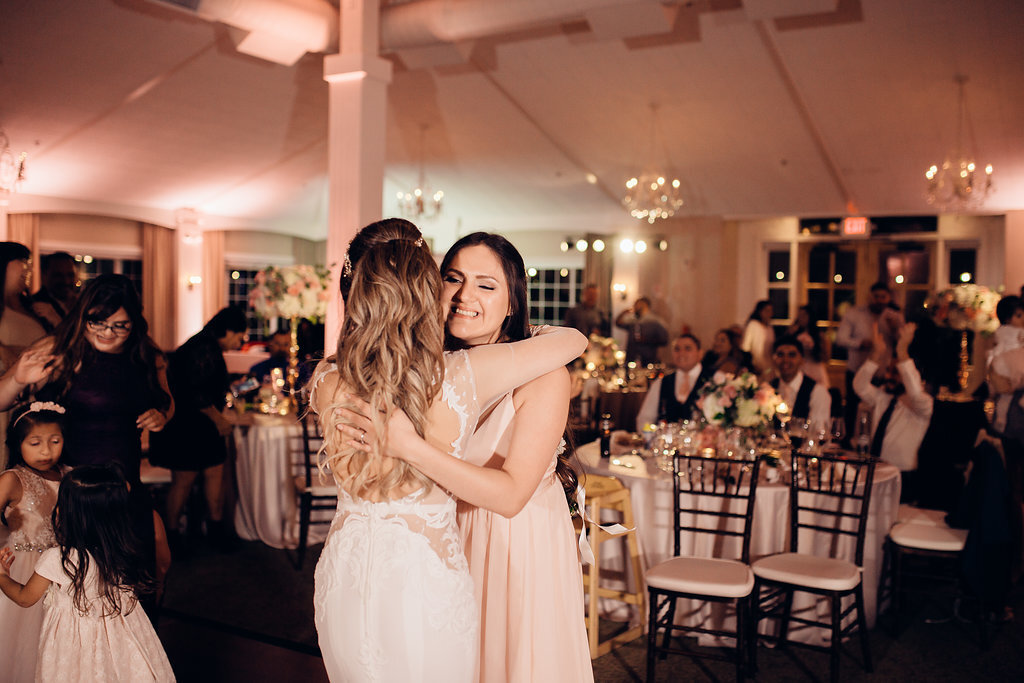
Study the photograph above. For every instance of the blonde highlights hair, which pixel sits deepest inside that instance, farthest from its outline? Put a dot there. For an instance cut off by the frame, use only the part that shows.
(390, 355)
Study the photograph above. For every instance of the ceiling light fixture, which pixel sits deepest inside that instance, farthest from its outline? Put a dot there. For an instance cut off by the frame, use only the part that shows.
(654, 193)
(420, 202)
(12, 168)
(958, 182)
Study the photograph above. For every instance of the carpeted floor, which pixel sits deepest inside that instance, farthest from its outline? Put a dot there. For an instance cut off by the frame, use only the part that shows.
(247, 615)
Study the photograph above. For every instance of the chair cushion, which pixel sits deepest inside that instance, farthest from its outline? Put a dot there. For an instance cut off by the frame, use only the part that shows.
(808, 570)
(916, 515)
(927, 537)
(702, 576)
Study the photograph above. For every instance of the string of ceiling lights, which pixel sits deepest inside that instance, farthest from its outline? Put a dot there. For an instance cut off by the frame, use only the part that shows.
(627, 245)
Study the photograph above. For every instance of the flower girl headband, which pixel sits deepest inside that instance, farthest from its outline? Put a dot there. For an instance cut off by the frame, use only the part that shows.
(39, 406)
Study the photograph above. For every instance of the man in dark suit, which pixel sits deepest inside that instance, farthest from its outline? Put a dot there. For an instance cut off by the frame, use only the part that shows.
(673, 398)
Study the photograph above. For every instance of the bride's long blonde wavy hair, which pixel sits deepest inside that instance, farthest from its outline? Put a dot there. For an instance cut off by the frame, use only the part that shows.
(390, 355)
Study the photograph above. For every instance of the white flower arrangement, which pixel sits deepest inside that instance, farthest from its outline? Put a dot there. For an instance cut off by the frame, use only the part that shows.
(739, 401)
(966, 307)
(291, 292)
(602, 353)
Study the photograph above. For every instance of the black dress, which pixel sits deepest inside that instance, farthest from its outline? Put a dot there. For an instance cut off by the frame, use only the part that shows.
(198, 378)
(106, 397)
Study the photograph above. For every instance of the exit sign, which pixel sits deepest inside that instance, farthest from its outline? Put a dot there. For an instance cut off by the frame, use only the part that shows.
(856, 226)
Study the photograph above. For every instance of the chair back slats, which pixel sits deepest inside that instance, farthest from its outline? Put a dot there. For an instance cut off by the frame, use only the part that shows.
(312, 440)
(830, 494)
(714, 497)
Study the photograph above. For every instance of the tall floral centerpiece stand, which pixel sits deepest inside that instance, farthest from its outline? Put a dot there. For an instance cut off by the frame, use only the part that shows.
(965, 308)
(295, 293)
(741, 407)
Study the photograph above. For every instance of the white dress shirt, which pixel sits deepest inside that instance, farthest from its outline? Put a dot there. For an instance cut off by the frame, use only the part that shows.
(758, 340)
(649, 408)
(820, 414)
(910, 418)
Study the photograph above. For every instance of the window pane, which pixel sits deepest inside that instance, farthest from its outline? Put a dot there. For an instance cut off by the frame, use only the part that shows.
(846, 268)
(962, 265)
(915, 299)
(817, 300)
(778, 267)
(780, 303)
(819, 267)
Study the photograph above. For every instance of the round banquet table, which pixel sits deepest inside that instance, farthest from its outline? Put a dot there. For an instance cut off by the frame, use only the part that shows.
(651, 495)
(269, 457)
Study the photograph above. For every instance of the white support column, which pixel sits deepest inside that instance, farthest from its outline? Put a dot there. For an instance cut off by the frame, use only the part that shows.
(357, 123)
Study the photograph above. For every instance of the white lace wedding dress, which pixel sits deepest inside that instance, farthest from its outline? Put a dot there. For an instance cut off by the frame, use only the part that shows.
(394, 599)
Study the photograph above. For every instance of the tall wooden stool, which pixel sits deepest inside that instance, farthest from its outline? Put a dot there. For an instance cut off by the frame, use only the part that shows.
(608, 493)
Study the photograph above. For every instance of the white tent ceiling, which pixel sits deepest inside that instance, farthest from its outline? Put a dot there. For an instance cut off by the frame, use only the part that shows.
(766, 107)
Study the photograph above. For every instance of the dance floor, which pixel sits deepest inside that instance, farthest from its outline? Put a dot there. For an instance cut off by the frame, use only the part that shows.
(247, 615)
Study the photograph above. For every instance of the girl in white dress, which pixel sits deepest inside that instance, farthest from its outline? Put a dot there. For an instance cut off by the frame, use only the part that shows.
(92, 629)
(28, 492)
(394, 599)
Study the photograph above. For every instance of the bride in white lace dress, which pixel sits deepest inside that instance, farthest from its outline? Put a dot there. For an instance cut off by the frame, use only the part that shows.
(393, 598)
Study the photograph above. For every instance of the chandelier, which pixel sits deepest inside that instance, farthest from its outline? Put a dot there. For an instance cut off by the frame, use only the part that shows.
(420, 202)
(12, 169)
(654, 193)
(959, 182)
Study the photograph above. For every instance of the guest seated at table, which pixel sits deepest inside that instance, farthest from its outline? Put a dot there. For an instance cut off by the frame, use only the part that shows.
(808, 400)
(647, 333)
(673, 398)
(901, 408)
(725, 354)
(805, 329)
(278, 346)
(194, 440)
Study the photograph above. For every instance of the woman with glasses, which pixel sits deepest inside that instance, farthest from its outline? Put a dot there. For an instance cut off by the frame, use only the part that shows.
(193, 441)
(103, 367)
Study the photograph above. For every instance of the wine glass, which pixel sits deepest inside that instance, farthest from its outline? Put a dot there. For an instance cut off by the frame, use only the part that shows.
(862, 433)
(837, 430)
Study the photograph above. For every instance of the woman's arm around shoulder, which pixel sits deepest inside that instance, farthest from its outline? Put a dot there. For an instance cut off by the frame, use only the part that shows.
(10, 489)
(499, 368)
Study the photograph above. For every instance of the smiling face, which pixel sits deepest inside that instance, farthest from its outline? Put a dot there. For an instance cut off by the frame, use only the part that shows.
(722, 346)
(109, 335)
(17, 277)
(788, 359)
(475, 296)
(42, 446)
(685, 354)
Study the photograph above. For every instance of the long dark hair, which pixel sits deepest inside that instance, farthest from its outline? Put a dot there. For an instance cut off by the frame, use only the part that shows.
(517, 324)
(100, 299)
(92, 524)
(758, 308)
(516, 327)
(16, 251)
(23, 419)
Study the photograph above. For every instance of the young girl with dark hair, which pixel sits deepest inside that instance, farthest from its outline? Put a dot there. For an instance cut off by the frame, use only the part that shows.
(91, 630)
(28, 493)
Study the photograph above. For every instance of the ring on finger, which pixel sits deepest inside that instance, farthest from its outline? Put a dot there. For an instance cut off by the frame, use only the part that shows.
(362, 435)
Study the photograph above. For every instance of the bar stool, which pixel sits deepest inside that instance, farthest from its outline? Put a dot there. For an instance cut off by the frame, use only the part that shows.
(608, 493)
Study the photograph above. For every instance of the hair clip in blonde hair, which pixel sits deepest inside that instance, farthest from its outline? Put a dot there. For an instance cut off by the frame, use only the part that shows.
(346, 268)
(39, 406)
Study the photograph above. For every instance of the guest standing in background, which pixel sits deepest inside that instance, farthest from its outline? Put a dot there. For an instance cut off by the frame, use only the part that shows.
(646, 332)
(805, 329)
(586, 316)
(901, 408)
(856, 334)
(104, 368)
(759, 337)
(194, 440)
(60, 287)
(20, 326)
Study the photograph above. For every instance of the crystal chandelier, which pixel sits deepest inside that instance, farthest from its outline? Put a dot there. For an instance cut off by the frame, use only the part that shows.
(421, 202)
(12, 169)
(959, 181)
(654, 193)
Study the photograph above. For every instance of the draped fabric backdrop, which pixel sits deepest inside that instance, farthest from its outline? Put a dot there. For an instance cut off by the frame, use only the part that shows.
(159, 286)
(24, 228)
(597, 269)
(215, 287)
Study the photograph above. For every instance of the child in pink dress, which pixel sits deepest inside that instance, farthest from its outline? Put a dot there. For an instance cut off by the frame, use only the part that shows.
(93, 628)
(28, 492)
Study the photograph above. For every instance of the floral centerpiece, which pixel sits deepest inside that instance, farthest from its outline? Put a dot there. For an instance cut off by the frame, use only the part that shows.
(965, 307)
(602, 353)
(740, 401)
(291, 292)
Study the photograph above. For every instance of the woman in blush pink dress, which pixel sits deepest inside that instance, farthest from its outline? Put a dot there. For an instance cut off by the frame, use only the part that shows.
(512, 483)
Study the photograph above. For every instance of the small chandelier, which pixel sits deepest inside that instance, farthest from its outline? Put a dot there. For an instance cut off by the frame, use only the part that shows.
(959, 182)
(654, 193)
(12, 169)
(420, 202)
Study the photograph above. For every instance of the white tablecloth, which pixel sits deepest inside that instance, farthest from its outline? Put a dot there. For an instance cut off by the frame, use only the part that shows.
(651, 494)
(269, 457)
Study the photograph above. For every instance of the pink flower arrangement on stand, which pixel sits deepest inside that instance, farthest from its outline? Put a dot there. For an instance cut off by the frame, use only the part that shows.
(291, 292)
